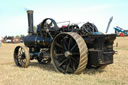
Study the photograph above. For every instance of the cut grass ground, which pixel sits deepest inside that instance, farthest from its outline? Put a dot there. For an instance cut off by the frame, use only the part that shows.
(37, 74)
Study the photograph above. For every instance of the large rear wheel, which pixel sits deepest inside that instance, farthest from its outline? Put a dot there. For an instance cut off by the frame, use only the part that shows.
(69, 53)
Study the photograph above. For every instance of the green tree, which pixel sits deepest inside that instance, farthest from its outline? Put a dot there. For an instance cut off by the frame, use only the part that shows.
(17, 36)
(34, 29)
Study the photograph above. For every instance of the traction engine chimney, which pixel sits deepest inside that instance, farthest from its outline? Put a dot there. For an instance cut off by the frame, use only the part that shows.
(30, 22)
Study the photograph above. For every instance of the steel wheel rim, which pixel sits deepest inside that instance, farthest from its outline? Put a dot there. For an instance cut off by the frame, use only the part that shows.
(75, 62)
(67, 63)
(21, 58)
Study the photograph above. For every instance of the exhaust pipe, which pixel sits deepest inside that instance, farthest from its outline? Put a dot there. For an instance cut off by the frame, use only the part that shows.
(30, 22)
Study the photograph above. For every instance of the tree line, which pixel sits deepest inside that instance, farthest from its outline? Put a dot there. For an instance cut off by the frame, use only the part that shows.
(21, 37)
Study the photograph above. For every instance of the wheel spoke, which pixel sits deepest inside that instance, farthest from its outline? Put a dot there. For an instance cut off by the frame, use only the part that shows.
(67, 67)
(65, 43)
(20, 51)
(59, 58)
(69, 43)
(65, 47)
(60, 46)
(62, 62)
(73, 66)
(74, 46)
(21, 58)
(18, 56)
(22, 62)
(60, 54)
(75, 60)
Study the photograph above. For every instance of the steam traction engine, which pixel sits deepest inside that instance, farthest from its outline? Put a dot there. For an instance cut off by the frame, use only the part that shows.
(71, 48)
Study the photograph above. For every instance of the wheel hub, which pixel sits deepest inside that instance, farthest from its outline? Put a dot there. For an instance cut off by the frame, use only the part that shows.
(67, 53)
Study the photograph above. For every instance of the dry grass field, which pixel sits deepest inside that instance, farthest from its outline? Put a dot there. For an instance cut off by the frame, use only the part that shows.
(37, 74)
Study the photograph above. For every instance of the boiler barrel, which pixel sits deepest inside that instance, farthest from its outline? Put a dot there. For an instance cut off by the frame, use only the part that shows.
(36, 41)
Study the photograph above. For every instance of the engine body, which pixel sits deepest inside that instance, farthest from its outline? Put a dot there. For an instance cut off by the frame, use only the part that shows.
(71, 48)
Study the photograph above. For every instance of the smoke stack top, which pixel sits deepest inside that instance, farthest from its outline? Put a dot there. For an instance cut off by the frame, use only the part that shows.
(30, 11)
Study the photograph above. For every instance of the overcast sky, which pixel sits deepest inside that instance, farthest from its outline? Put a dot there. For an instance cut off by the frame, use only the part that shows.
(13, 17)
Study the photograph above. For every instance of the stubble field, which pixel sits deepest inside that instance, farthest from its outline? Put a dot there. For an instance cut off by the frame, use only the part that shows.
(37, 74)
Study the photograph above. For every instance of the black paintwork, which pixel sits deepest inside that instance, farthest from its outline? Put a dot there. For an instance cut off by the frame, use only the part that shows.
(100, 46)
